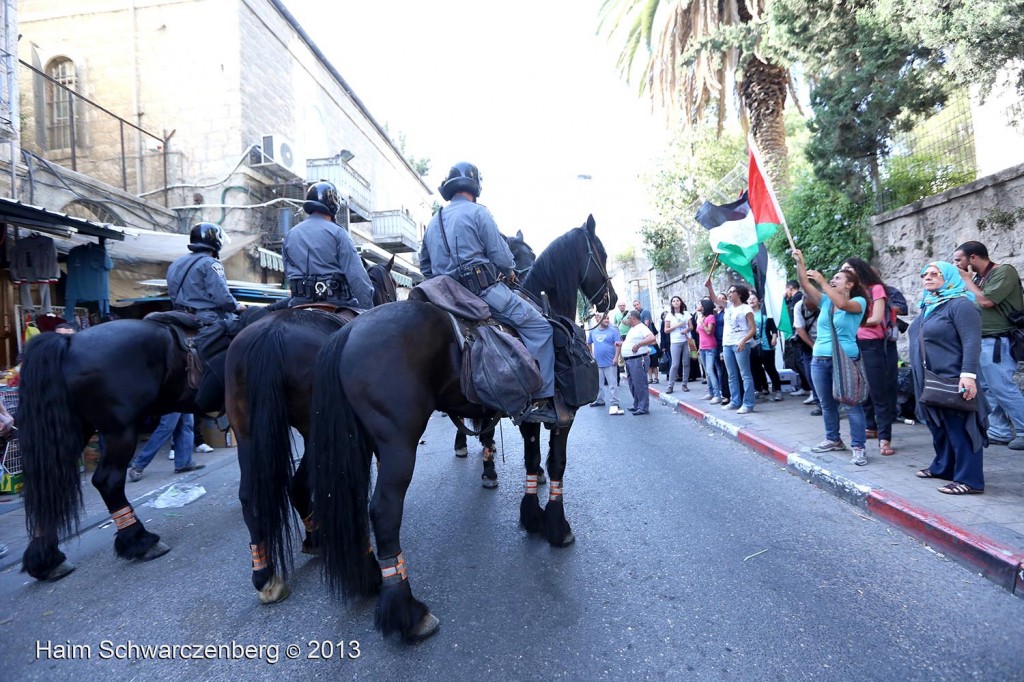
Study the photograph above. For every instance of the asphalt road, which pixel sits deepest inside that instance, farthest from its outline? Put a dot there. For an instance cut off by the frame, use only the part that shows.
(695, 559)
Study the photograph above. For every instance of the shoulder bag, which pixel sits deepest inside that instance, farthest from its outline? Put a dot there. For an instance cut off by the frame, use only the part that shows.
(938, 391)
(849, 380)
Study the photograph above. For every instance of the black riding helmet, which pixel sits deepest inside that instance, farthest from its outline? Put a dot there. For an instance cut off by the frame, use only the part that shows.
(322, 197)
(207, 237)
(463, 177)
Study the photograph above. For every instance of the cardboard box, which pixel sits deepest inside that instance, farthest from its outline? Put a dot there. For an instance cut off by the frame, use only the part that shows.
(216, 438)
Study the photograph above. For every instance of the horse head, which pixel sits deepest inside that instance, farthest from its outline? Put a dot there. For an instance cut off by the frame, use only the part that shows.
(521, 253)
(595, 283)
(384, 290)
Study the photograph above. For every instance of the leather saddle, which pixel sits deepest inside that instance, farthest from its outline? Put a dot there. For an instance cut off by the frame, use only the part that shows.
(183, 327)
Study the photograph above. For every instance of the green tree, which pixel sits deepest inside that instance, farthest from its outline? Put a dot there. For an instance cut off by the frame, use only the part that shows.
(980, 37)
(872, 82)
(691, 51)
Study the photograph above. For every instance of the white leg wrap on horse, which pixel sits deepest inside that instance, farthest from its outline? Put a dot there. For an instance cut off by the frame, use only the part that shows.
(393, 569)
(554, 490)
(124, 517)
(531, 484)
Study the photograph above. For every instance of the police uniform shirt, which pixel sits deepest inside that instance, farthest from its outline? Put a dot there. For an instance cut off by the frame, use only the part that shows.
(318, 246)
(473, 238)
(197, 280)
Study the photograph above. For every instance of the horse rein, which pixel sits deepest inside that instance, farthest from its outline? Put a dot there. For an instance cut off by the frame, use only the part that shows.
(605, 290)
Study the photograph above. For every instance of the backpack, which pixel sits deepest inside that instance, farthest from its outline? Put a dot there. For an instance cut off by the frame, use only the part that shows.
(895, 304)
(576, 375)
(504, 374)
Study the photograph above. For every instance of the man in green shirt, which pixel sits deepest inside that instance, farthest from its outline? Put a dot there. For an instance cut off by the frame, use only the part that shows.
(619, 319)
(998, 291)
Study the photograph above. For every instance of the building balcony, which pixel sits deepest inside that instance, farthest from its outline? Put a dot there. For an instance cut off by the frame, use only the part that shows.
(353, 187)
(395, 231)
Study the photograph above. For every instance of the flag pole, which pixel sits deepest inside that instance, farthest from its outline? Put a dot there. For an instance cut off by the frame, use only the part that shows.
(771, 190)
(713, 264)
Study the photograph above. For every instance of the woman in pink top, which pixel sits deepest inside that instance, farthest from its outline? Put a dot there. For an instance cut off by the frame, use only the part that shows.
(879, 357)
(708, 350)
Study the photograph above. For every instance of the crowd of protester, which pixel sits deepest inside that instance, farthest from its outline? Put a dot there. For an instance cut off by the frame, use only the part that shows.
(965, 337)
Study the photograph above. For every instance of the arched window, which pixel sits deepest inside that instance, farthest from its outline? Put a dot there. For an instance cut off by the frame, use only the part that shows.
(58, 103)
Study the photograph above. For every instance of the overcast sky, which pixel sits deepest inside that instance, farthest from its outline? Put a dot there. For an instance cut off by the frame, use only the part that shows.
(526, 90)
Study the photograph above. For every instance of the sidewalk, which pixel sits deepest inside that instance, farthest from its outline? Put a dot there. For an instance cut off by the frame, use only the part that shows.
(159, 476)
(984, 532)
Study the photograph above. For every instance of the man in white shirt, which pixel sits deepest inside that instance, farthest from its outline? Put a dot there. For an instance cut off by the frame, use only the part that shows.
(635, 353)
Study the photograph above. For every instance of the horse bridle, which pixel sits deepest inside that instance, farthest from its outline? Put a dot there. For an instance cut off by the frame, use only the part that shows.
(606, 287)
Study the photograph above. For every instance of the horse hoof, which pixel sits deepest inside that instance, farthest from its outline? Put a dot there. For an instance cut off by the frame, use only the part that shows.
(462, 452)
(567, 540)
(274, 591)
(155, 552)
(488, 483)
(65, 568)
(428, 626)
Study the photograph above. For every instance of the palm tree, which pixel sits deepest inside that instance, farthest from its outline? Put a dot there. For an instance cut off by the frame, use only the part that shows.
(702, 47)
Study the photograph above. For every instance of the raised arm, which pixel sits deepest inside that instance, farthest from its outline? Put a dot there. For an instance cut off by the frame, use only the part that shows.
(811, 292)
(715, 298)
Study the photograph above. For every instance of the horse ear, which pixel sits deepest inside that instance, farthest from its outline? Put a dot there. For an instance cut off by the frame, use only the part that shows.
(519, 235)
(591, 224)
(390, 264)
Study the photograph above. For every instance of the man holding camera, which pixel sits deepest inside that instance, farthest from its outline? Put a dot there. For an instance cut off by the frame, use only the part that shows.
(998, 293)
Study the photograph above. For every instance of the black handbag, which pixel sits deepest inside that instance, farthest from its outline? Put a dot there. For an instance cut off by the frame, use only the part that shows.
(940, 392)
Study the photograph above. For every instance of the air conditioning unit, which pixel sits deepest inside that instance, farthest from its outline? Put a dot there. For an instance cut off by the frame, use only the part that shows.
(277, 153)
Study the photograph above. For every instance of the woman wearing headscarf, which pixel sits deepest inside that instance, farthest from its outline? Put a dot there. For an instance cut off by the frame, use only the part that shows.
(950, 324)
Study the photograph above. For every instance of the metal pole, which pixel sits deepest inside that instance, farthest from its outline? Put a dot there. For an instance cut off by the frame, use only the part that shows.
(124, 161)
(167, 142)
(71, 121)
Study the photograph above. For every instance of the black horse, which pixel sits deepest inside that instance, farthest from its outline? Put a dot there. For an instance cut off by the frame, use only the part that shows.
(109, 379)
(269, 383)
(356, 414)
(269, 388)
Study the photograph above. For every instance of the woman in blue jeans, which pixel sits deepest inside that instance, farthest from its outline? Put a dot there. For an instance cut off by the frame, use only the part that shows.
(737, 331)
(843, 303)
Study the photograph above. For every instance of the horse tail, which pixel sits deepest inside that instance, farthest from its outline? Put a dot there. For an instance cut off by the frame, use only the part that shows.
(51, 435)
(341, 453)
(271, 466)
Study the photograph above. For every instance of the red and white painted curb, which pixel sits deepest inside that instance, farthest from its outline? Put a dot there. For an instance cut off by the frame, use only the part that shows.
(997, 562)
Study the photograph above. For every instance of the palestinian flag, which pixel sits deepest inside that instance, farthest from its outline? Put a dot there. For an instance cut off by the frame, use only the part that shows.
(733, 233)
(767, 215)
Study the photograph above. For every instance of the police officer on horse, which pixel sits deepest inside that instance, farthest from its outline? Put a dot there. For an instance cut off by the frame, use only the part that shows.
(196, 281)
(463, 242)
(320, 259)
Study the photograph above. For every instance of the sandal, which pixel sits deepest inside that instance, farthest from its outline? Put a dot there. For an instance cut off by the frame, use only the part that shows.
(885, 448)
(925, 473)
(959, 489)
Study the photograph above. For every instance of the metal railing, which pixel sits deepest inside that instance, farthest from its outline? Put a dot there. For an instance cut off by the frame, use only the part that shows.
(89, 138)
(395, 231)
(352, 186)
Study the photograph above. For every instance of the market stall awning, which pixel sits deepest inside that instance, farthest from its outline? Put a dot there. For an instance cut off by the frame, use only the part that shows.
(58, 224)
(269, 259)
(150, 246)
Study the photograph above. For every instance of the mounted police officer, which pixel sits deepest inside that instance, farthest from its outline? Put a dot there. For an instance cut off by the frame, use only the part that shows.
(196, 282)
(463, 241)
(320, 260)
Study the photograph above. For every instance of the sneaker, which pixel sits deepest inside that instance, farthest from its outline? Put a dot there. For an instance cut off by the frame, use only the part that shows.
(715, 400)
(191, 467)
(597, 403)
(170, 455)
(745, 410)
(816, 412)
(729, 406)
(614, 410)
(809, 400)
(203, 448)
(707, 396)
(859, 458)
(798, 392)
(777, 396)
(1017, 443)
(830, 446)
(669, 389)
(134, 474)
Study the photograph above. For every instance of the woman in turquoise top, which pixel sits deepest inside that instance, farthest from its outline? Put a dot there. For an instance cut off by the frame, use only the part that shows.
(843, 302)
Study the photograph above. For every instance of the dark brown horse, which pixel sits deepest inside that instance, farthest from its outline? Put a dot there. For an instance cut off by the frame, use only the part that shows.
(357, 415)
(269, 382)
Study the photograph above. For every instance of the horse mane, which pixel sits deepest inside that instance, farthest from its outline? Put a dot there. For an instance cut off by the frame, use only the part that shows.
(557, 272)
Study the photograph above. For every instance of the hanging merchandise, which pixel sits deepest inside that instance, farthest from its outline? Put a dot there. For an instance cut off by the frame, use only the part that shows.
(88, 266)
(34, 260)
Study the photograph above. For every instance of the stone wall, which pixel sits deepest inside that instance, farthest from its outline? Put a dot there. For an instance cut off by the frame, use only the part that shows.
(908, 238)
